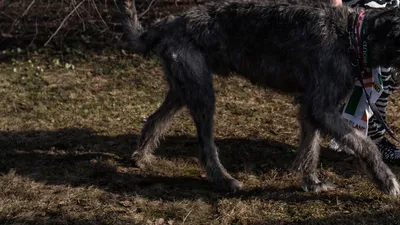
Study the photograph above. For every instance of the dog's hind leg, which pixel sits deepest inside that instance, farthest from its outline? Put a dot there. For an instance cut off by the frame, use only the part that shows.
(154, 129)
(192, 78)
(201, 109)
(201, 106)
(308, 155)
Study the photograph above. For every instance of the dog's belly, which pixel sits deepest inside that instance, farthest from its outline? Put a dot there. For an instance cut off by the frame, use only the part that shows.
(279, 82)
(282, 82)
(277, 77)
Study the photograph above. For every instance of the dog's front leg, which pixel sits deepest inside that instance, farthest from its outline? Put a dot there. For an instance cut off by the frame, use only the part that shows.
(333, 124)
(308, 155)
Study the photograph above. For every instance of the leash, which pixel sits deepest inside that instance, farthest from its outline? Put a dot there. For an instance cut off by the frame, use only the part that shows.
(355, 62)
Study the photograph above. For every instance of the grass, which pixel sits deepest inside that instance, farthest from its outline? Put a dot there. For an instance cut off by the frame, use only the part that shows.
(69, 123)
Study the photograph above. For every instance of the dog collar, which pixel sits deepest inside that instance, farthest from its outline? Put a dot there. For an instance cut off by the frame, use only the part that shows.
(354, 24)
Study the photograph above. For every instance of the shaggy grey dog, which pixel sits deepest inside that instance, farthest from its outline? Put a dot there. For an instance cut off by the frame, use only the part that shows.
(293, 48)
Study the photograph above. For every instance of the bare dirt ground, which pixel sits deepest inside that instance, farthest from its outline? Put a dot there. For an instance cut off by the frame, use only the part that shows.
(69, 123)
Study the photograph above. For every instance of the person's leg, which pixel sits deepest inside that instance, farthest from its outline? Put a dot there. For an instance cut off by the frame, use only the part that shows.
(375, 130)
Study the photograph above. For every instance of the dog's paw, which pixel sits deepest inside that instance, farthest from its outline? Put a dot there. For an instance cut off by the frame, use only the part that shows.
(235, 186)
(319, 187)
(392, 187)
(228, 184)
(142, 161)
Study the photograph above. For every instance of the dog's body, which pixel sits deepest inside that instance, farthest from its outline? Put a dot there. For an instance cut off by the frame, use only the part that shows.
(299, 49)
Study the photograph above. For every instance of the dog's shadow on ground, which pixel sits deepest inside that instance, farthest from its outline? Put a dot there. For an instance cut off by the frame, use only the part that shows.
(80, 157)
(356, 218)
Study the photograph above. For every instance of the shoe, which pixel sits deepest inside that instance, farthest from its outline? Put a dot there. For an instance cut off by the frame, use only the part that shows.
(389, 150)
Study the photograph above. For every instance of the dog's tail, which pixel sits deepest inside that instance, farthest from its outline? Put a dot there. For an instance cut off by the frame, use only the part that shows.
(132, 27)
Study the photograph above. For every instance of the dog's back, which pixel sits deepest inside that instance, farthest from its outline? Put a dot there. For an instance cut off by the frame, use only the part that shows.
(251, 38)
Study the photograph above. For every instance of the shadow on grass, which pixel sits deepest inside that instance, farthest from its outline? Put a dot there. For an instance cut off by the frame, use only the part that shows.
(388, 216)
(377, 218)
(80, 157)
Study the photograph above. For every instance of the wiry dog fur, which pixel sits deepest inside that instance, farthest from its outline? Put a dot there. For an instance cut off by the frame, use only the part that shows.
(293, 48)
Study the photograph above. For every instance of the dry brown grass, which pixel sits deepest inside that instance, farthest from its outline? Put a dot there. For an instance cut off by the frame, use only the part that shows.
(67, 135)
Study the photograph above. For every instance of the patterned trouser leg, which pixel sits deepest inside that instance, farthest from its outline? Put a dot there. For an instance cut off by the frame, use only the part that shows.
(375, 129)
